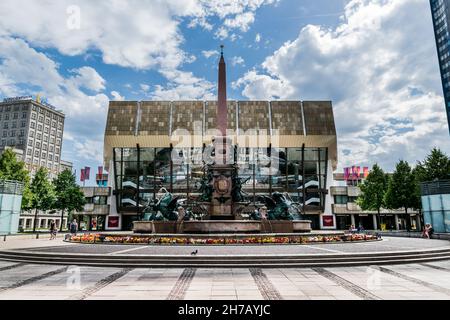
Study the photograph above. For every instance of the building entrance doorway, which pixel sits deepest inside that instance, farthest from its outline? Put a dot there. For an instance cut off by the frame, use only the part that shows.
(343, 222)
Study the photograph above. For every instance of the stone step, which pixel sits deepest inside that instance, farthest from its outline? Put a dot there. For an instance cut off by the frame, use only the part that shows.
(207, 261)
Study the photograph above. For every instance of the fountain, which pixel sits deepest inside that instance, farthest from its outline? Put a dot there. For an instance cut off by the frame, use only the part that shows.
(222, 196)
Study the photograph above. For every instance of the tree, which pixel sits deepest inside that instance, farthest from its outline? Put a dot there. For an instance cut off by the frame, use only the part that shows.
(436, 166)
(43, 193)
(402, 190)
(68, 194)
(373, 190)
(12, 169)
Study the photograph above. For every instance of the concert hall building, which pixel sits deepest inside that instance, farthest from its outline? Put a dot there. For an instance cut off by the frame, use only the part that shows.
(285, 146)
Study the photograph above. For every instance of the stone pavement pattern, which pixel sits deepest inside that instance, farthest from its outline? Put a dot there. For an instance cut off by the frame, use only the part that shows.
(388, 244)
(412, 281)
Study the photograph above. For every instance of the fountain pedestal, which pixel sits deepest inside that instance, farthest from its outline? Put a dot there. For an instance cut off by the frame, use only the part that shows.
(222, 172)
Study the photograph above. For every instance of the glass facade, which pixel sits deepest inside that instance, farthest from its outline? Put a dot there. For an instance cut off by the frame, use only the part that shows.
(10, 205)
(141, 173)
(440, 10)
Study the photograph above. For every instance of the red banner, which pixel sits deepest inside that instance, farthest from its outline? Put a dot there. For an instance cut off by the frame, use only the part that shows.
(113, 222)
(87, 173)
(82, 176)
(100, 171)
(328, 221)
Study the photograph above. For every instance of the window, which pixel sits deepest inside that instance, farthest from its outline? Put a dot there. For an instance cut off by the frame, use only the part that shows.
(33, 116)
(102, 200)
(38, 145)
(36, 153)
(50, 157)
(7, 116)
(45, 138)
(46, 129)
(12, 133)
(47, 121)
(5, 134)
(340, 199)
(23, 124)
(33, 125)
(31, 133)
(41, 119)
(39, 136)
(24, 115)
(6, 126)
(22, 133)
(14, 124)
(44, 146)
(30, 143)
(16, 116)
(40, 127)
(29, 152)
(51, 149)
(58, 142)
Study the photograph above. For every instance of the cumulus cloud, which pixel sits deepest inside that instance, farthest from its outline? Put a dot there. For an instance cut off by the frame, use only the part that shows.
(210, 53)
(378, 68)
(237, 61)
(88, 78)
(117, 96)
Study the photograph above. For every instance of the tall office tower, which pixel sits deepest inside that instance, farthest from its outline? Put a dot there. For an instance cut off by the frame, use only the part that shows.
(440, 10)
(34, 130)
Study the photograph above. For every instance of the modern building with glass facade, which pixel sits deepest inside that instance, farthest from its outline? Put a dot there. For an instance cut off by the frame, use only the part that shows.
(440, 10)
(10, 204)
(436, 204)
(285, 146)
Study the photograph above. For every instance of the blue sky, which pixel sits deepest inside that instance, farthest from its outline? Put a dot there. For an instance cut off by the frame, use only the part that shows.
(375, 59)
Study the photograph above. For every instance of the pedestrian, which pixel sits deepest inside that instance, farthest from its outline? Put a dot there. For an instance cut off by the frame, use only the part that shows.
(427, 231)
(430, 231)
(53, 230)
(74, 227)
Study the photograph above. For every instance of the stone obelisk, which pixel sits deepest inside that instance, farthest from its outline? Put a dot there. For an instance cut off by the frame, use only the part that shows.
(223, 169)
(222, 111)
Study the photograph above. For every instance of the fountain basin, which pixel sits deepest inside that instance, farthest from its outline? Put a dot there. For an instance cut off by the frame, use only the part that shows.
(221, 226)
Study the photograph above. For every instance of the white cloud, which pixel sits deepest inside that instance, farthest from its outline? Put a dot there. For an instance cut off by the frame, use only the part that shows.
(379, 67)
(88, 78)
(237, 60)
(117, 96)
(209, 53)
(184, 86)
(241, 21)
(145, 87)
(221, 33)
(258, 38)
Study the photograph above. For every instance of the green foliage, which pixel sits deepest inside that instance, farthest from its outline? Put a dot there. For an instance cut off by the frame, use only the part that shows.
(68, 194)
(373, 190)
(436, 166)
(402, 188)
(43, 191)
(12, 169)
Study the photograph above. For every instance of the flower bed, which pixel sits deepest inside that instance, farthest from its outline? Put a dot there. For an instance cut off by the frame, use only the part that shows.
(219, 240)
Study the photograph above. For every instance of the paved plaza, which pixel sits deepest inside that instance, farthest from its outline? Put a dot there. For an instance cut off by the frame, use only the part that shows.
(23, 281)
(413, 281)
